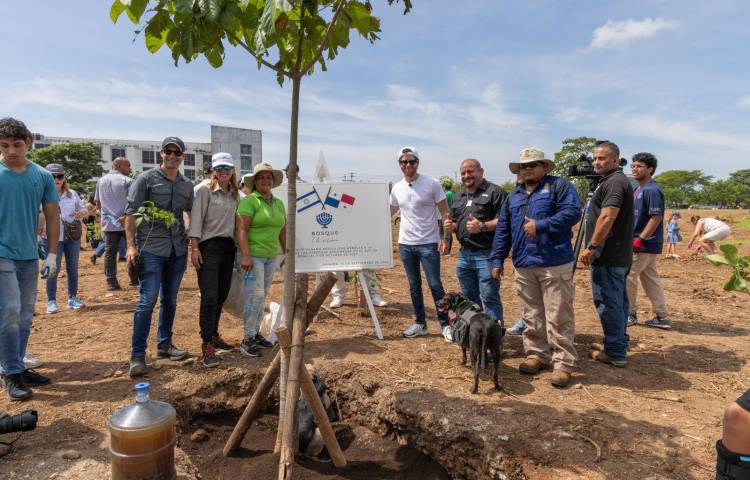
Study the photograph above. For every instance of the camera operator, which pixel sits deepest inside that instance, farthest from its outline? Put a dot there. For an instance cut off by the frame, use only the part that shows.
(609, 252)
(733, 450)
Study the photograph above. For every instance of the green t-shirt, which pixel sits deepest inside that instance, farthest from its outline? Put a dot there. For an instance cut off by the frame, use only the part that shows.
(268, 219)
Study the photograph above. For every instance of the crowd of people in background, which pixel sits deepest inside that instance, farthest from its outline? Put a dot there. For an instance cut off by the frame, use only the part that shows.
(223, 224)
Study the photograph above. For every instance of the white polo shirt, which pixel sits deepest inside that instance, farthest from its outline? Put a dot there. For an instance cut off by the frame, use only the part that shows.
(418, 201)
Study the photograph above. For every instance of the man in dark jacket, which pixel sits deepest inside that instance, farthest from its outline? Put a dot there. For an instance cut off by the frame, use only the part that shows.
(536, 222)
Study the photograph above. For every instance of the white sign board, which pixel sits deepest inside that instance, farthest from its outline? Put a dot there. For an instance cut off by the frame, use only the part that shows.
(341, 226)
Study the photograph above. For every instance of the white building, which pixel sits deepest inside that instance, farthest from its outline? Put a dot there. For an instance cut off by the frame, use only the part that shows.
(244, 144)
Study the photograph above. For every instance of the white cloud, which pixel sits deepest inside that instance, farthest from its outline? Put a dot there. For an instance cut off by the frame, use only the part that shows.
(620, 34)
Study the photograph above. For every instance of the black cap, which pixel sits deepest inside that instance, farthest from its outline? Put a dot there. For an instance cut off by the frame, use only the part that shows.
(176, 141)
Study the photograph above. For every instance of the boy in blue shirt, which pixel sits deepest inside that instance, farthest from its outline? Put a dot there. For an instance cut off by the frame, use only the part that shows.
(648, 240)
(24, 187)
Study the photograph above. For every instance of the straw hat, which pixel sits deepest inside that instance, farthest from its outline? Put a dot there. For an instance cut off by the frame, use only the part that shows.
(530, 155)
(249, 179)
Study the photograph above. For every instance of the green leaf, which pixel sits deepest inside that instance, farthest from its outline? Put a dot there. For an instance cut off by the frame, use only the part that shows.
(135, 9)
(743, 262)
(184, 6)
(717, 260)
(138, 222)
(210, 8)
(737, 283)
(116, 10)
(730, 251)
(215, 56)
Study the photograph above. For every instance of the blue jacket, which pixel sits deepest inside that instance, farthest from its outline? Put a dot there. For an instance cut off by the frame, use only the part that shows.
(555, 206)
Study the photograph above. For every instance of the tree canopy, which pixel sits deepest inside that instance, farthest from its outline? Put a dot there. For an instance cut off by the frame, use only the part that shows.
(81, 161)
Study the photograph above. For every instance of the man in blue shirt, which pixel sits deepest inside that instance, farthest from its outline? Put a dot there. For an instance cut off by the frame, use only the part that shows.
(24, 188)
(536, 222)
(648, 239)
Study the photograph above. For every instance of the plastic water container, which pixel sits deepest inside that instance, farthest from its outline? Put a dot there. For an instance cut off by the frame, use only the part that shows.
(142, 439)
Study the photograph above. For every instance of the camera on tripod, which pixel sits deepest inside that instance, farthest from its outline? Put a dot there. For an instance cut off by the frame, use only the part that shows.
(585, 167)
(22, 422)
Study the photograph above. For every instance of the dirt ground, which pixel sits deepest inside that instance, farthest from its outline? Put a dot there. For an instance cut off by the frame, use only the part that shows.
(404, 398)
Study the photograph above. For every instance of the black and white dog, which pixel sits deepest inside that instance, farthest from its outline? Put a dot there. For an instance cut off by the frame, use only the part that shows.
(484, 334)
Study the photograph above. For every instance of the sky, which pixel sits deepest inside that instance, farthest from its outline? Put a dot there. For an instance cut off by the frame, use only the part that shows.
(454, 79)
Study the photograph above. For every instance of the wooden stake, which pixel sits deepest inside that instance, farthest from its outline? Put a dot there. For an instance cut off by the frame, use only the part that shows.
(272, 372)
(311, 395)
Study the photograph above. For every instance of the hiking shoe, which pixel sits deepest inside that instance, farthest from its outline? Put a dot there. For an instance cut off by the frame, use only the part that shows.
(531, 366)
(560, 379)
(378, 301)
(221, 346)
(415, 330)
(447, 334)
(113, 285)
(31, 362)
(659, 322)
(168, 350)
(134, 282)
(600, 356)
(337, 302)
(52, 307)
(34, 379)
(16, 387)
(262, 342)
(250, 348)
(209, 355)
(93, 258)
(632, 319)
(74, 303)
(138, 366)
(517, 329)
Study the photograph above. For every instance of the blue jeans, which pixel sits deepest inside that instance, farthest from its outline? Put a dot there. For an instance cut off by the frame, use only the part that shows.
(17, 298)
(122, 248)
(71, 249)
(608, 285)
(474, 273)
(256, 290)
(428, 256)
(160, 275)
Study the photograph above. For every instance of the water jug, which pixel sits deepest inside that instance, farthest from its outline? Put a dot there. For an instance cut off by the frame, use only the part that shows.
(142, 439)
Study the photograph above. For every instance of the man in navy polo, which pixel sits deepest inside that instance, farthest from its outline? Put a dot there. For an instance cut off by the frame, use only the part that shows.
(648, 239)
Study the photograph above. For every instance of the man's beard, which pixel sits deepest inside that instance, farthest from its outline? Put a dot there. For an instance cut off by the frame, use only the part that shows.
(530, 182)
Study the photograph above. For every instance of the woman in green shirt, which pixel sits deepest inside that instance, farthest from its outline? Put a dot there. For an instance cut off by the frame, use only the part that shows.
(260, 231)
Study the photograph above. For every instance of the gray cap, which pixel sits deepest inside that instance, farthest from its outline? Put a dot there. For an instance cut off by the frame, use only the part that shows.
(176, 141)
(55, 169)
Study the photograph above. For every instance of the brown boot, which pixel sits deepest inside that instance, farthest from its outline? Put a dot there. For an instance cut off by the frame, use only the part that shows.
(597, 347)
(560, 379)
(604, 358)
(531, 366)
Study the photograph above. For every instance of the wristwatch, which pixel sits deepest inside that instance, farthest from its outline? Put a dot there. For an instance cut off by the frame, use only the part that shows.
(483, 227)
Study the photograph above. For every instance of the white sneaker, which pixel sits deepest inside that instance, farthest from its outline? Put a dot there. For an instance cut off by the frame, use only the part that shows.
(415, 330)
(52, 307)
(337, 302)
(378, 301)
(31, 362)
(447, 334)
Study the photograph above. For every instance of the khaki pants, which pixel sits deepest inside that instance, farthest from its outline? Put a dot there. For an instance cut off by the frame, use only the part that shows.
(546, 295)
(644, 267)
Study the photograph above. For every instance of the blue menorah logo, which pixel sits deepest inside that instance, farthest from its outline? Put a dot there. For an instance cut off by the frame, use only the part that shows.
(324, 219)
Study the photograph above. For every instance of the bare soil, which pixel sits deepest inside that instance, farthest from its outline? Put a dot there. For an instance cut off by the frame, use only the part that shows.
(405, 403)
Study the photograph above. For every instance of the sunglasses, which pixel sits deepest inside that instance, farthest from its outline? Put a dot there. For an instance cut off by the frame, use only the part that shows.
(531, 165)
(59, 177)
(223, 168)
(168, 151)
(408, 162)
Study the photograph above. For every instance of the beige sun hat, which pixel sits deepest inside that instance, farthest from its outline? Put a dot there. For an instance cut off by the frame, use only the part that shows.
(249, 179)
(529, 155)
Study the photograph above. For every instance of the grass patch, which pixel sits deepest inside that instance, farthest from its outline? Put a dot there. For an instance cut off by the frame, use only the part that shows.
(743, 223)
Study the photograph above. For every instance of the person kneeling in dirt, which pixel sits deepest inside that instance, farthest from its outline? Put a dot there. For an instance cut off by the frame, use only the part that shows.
(537, 222)
(158, 253)
(733, 450)
(712, 230)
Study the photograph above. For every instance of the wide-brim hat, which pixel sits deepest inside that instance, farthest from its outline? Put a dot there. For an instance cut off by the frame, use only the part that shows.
(249, 179)
(530, 155)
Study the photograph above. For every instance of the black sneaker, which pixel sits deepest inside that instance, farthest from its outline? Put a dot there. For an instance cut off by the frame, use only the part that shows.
(250, 348)
(209, 355)
(16, 387)
(138, 367)
(93, 258)
(221, 346)
(113, 285)
(168, 350)
(34, 379)
(262, 342)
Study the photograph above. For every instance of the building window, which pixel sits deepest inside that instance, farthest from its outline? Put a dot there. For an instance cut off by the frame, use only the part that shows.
(189, 159)
(246, 158)
(118, 152)
(148, 156)
(190, 174)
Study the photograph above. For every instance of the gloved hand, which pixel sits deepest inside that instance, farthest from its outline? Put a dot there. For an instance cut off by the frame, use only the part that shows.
(49, 266)
(637, 244)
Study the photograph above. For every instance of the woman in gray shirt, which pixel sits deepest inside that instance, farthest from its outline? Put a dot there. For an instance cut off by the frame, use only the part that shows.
(212, 249)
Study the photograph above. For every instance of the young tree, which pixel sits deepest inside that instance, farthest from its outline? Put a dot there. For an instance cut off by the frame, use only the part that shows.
(81, 161)
(291, 38)
(572, 149)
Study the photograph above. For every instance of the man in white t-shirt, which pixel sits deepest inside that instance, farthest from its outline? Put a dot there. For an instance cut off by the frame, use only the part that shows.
(416, 197)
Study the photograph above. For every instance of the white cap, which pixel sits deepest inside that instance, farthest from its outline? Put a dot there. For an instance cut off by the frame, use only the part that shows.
(222, 158)
(408, 151)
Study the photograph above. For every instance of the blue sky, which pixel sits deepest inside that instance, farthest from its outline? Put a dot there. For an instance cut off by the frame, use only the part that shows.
(455, 79)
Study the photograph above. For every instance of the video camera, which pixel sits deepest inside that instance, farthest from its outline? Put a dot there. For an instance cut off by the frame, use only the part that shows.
(22, 422)
(585, 167)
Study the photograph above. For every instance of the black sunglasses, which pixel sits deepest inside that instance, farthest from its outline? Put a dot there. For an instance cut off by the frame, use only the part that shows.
(223, 168)
(524, 166)
(168, 151)
(408, 162)
(59, 177)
